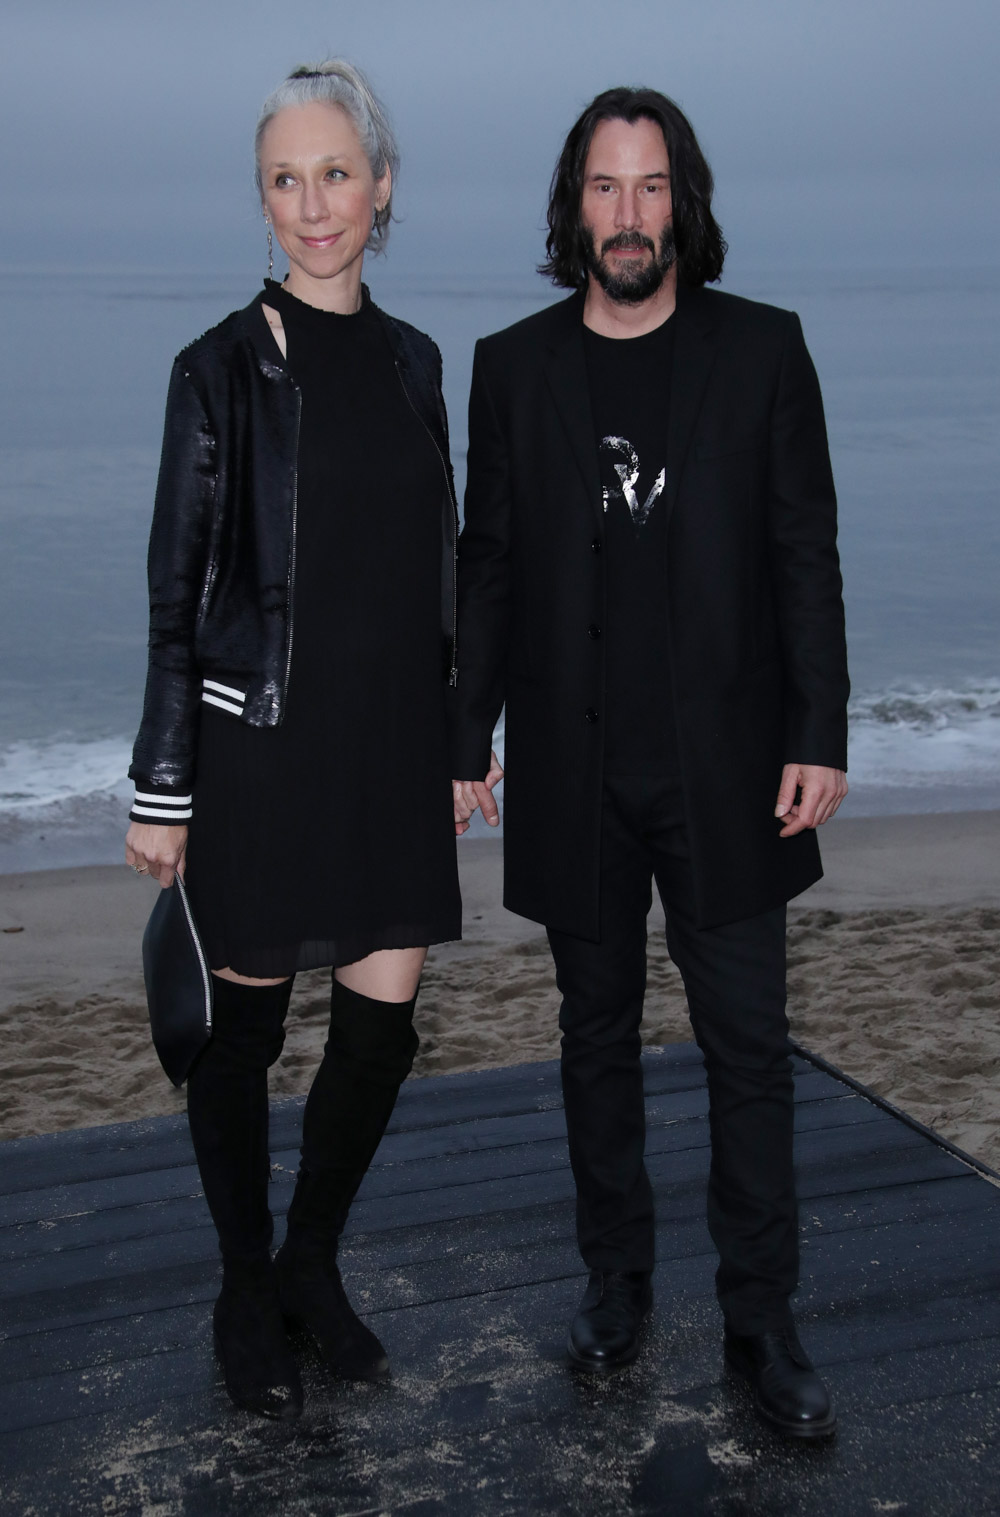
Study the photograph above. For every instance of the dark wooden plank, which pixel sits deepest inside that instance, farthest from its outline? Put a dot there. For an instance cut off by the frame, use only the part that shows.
(897, 1259)
(530, 1145)
(481, 1331)
(180, 1181)
(507, 1206)
(502, 1381)
(438, 1101)
(468, 1241)
(488, 1180)
(674, 1125)
(461, 1250)
(905, 1294)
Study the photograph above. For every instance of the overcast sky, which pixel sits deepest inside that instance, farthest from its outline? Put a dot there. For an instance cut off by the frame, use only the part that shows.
(843, 133)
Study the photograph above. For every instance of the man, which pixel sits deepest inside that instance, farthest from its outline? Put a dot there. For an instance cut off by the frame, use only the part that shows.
(649, 582)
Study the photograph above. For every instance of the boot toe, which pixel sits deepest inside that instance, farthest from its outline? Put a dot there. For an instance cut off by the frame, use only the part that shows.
(315, 1303)
(258, 1367)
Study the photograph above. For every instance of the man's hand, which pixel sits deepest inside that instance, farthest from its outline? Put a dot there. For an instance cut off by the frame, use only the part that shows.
(470, 794)
(156, 851)
(822, 791)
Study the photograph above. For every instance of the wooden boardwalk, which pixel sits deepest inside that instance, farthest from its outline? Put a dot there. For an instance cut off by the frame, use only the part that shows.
(461, 1253)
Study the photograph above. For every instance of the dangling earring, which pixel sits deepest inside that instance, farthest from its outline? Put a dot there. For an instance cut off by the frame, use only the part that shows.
(270, 249)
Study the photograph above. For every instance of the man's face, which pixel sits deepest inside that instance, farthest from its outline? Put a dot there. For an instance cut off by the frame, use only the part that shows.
(626, 211)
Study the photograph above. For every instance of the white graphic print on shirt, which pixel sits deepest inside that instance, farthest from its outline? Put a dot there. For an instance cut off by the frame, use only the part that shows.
(628, 473)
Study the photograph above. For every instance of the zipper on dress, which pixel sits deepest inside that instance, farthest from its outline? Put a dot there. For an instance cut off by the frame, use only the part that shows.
(291, 570)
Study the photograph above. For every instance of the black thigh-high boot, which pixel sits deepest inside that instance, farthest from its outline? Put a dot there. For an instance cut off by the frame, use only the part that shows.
(368, 1055)
(228, 1116)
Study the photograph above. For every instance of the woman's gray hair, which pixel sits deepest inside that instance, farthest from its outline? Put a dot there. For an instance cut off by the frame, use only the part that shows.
(337, 82)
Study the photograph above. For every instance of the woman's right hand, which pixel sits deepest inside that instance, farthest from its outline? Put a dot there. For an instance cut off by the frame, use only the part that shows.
(157, 851)
(472, 795)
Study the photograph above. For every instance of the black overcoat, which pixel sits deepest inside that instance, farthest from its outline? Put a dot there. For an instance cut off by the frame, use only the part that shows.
(758, 661)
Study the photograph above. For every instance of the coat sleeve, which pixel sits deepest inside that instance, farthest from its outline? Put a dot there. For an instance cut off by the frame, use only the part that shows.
(805, 567)
(477, 699)
(163, 759)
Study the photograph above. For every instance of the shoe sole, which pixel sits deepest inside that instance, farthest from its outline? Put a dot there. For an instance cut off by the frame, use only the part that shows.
(802, 1430)
(601, 1366)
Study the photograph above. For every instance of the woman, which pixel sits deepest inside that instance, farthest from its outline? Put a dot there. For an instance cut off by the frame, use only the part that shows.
(292, 760)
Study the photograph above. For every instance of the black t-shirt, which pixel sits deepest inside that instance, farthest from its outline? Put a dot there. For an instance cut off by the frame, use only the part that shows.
(629, 383)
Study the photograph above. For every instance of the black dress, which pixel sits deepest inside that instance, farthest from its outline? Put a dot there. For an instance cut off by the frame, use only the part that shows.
(331, 836)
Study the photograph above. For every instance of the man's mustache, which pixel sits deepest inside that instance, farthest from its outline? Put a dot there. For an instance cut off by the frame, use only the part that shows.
(628, 240)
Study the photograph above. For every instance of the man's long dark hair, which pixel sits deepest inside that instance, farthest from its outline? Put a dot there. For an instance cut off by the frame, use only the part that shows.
(701, 247)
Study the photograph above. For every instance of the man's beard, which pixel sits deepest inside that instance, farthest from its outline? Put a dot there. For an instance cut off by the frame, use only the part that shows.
(636, 282)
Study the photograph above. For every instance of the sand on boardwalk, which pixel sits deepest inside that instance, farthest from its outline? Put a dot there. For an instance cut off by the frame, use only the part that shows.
(894, 976)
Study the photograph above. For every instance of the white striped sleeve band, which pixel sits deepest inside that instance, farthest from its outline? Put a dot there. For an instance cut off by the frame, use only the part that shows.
(223, 696)
(169, 808)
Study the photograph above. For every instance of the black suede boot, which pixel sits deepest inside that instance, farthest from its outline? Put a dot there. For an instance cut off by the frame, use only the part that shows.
(368, 1055)
(228, 1116)
(251, 1342)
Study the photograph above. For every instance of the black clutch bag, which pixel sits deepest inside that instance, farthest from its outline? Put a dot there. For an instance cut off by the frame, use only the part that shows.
(178, 983)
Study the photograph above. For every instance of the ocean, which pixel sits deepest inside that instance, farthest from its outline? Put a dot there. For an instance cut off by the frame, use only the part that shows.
(909, 364)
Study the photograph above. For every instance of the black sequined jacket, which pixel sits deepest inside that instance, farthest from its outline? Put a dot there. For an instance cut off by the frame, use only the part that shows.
(222, 546)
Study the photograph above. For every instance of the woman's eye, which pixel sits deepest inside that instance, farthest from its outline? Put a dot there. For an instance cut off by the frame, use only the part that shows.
(336, 174)
(282, 181)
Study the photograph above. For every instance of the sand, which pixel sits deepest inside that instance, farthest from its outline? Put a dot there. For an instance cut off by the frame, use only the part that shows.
(894, 976)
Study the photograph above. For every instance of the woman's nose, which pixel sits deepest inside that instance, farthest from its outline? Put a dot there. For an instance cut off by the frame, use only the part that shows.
(314, 207)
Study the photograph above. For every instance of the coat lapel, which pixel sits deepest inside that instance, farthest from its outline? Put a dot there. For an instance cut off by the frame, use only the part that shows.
(694, 355)
(566, 374)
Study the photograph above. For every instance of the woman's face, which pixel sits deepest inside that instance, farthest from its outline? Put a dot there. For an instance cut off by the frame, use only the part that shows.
(321, 196)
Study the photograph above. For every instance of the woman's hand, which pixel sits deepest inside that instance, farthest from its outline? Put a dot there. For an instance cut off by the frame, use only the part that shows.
(472, 794)
(156, 851)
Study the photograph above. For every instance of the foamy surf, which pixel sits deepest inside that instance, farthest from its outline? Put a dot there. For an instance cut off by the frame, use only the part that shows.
(912, 748)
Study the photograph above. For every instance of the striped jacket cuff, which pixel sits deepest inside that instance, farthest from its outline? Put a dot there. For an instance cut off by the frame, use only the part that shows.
(160, 810)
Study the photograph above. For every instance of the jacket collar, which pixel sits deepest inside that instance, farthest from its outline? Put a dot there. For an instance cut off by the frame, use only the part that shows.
(258, 333)
(566, 374)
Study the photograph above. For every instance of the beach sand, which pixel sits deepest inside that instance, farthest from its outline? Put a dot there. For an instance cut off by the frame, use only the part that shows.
(894, 976)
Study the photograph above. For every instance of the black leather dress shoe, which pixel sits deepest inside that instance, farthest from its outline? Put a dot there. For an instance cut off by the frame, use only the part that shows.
(604, 1335)
(260, 1372)
(788, 1393)
(314, 1301)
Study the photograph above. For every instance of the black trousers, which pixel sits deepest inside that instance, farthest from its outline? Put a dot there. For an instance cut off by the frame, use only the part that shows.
(734, 977)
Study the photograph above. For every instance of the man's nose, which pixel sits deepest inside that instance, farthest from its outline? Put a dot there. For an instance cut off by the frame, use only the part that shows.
(627, 212)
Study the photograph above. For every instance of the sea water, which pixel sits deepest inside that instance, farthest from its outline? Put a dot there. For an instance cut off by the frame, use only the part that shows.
(909, 365)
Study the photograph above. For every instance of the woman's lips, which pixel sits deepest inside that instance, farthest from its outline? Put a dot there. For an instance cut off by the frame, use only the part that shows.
(321, 242)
